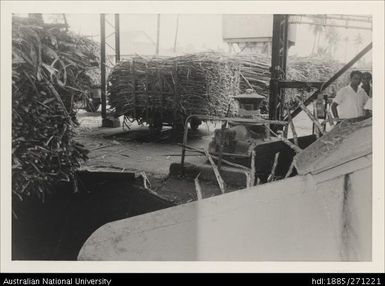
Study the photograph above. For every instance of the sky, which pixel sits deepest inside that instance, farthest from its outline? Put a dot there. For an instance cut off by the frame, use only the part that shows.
(200, 32)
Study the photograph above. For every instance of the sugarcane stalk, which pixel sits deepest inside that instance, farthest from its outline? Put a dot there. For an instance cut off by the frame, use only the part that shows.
(310, 115)
(218, 176)
(286, 141)
(291, 123)
(272, 174)
(290, 170)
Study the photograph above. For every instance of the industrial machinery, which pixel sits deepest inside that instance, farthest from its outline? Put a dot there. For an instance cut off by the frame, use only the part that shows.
(239, 135)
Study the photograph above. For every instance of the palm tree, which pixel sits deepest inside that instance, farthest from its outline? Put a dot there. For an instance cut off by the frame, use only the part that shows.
(358, 41)
(332, 38)
(317, 29)
(346, 40)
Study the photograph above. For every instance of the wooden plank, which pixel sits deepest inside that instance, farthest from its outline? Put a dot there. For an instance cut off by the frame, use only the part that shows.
(292, 127)
(198, 188)
(252, 169)
(311, 116)
(220, 181)
(286, 141)
(216, 158)
(290, 169)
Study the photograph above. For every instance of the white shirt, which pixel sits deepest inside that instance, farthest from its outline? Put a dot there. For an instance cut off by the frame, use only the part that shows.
(350, 103)
(368, 105)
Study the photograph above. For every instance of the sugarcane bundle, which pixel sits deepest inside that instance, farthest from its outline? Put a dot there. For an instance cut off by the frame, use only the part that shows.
(140, 84)
(254, 72)
(315, 68)
(173, 88)
(49, 73)
(205, 83)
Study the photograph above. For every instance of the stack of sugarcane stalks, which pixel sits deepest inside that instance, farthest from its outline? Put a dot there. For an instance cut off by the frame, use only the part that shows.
(49, 73)
(140, 86)
(205, 83)
(314, 68)
(170, 89)
(255, 73)
(173, 88)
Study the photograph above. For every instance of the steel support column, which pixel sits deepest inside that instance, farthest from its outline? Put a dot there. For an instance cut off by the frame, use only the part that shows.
(117, 38)
(278, 65)
(103, 63)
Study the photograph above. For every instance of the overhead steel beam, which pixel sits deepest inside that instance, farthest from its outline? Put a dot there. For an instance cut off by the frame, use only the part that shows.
(300, 84)
(332, 79)
(331, 25)
(352, 18)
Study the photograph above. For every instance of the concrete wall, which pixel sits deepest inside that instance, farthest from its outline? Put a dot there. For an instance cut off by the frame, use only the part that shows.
(304, 218)
(252, 27)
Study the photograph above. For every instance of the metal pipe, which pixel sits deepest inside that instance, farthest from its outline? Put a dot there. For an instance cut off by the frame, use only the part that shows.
(332, 79)
(176, 32)
(117, 38)
(65, 21)
(331, 25)
(157, 35)
(237, 119)
(103, 63)
(352, 18)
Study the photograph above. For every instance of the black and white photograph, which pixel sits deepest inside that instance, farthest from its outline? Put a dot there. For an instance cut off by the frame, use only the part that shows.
(155, 132)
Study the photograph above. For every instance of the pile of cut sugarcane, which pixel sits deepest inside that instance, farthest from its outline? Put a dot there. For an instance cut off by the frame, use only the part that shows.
(203, 83)
(49, 73)
(254, 73)
(314, 68)
(173, 88)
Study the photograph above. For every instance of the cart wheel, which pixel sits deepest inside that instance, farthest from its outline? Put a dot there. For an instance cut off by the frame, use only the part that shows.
(92, 106)
(194, 123)
(156, 127)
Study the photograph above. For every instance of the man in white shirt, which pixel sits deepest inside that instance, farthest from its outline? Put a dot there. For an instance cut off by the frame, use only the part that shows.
(350, 100)
(368, 107)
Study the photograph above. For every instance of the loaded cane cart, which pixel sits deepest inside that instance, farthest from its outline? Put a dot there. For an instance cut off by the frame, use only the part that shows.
(164, 91)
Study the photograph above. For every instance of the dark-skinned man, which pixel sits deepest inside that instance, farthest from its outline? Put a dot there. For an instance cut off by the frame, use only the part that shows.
(350, 100)
(367, 86)
(367, 83)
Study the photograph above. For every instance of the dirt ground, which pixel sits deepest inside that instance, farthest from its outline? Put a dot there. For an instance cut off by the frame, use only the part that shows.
(135, 150)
